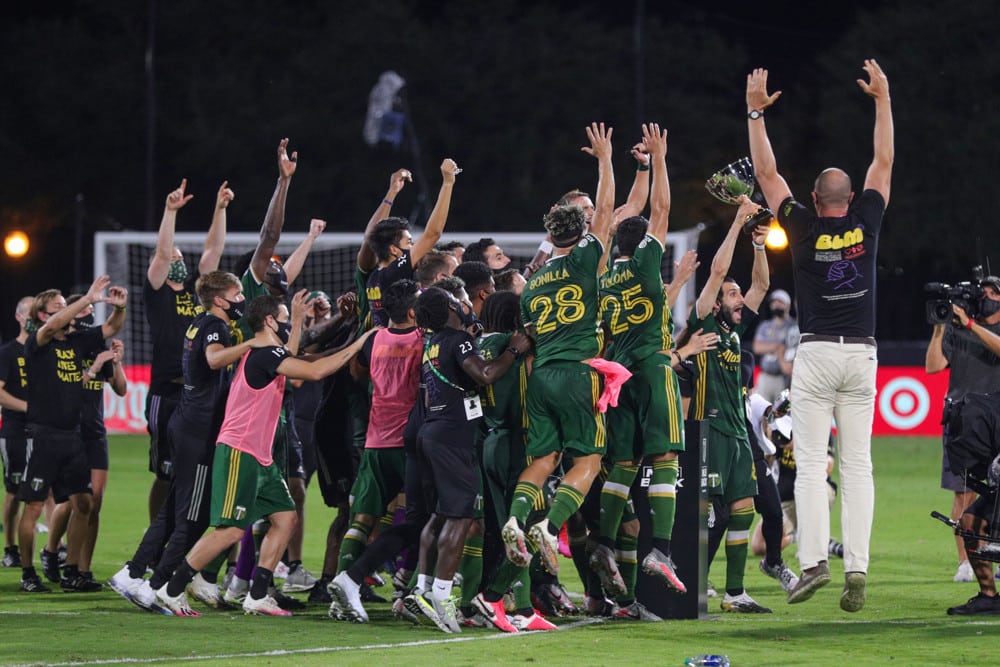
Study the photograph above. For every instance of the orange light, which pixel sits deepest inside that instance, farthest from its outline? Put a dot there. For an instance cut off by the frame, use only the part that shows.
(16, 244)
(776, 239)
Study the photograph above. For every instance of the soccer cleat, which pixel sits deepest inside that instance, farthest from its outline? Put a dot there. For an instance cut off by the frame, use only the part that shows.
(811, 581)
(743, 604)
(79, 583)
(236, 591)
(437, 611)
(347, 595)
(206, 593)
(400, 610)
(33, 584)
(494, 613)
(375, 580)
(532, 623)
(964, 574)
(50, 565)
(369, 595)
(11, 557)
(552, 600)
(853, 597)
(228, 576)
(657, 565)
(547, 545)
(636, 611)
(602, 561)
(266, 606)
(978, 604)
(281, 570)
(299, 580)
(123, 583)
(472, 619)
(514, 543)
(710, 591)
(785, 576)
(319, 593)
(286, 602)
(177, 605)
(601, 606)
(144, 598)
(411, 603)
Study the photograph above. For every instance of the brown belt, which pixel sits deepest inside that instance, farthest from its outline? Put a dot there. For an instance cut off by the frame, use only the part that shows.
(849, 340)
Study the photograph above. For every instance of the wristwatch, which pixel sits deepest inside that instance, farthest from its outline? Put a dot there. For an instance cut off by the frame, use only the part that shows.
(755, 114)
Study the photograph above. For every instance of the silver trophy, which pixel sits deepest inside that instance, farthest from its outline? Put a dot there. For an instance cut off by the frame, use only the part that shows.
(733, 181)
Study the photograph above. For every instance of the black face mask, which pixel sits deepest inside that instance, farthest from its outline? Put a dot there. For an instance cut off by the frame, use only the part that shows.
(989, 307)
(284, 332)
(779, 312)
(85, 322)
(234, 311)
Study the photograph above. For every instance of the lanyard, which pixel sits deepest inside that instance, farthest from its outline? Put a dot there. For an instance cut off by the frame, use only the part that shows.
(438, 374)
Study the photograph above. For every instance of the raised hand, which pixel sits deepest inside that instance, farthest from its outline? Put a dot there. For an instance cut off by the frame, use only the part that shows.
(600, 141)
(879, 83)
(449, 170)
(654, 139)
(225, 196)
(177, 198)
(316, 227)
(641, 153)
(118, 349)
(299, 306)
(96, 292)
(685, 267)
(747, 208)
(701, 341)
(347, 304)
(286, 165)
(117, 297)
(757, 97)
(399, 178)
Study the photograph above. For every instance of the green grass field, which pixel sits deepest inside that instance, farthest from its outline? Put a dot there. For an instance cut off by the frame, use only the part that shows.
(903, 623)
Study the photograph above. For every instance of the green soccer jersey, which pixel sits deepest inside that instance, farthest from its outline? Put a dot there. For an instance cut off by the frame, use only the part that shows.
(633, 305)
(361, 289)
(503, 401)
(561, 302)
(252, 289)
(718, 387)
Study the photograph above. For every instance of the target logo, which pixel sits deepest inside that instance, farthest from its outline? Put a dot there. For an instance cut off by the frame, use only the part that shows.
(904, 403)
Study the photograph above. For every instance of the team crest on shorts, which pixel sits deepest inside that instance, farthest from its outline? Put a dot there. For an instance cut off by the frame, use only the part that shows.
(239, 512)
(16, 478)
(37, 483)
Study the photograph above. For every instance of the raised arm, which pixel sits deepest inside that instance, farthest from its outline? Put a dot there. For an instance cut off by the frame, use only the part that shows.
(765, 168)
(159, 267)
(684, 269)
(215, 240)
(604, 206)
(760, 278)
(935, 361)
(274, 220)
(439, 216)
(722, 260)
(880, 172)
(639, 193)
(659, 204)
(366, 257)
(295, 261)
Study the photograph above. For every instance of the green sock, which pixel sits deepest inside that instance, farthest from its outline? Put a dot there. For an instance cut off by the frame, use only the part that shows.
(627, 555)
(614, 496)
(353, 545)
(581, 559)
(565, 504)
(526, 496)
(663, 498)
(471, 569)
(737, 540)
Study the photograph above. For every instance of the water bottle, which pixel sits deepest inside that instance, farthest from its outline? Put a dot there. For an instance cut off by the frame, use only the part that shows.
(706, 660)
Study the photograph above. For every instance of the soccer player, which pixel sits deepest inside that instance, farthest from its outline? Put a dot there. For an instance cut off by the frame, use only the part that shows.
(721, 309)
(13, 434)
(246, 483)
(58, 461)
(560, 309)
(647, 421)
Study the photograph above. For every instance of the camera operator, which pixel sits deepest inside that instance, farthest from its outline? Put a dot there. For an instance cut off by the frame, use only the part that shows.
(971, 349)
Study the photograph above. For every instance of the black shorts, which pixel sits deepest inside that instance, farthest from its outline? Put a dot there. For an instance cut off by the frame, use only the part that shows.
(296, 467)
(14, 452)
(449, 471)
(97, 453)
(306, 430)
(57, 460)
(159, 409)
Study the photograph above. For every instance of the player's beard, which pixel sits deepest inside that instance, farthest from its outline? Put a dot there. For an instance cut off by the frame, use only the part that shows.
(728, 316)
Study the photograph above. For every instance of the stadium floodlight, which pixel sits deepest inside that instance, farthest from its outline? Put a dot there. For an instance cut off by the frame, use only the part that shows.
(16, 244)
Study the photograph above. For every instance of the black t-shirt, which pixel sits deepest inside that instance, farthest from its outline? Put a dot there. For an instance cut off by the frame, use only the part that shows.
(15, 382)
(382, 278)
(834, 264)
(169, 313)
(203, 399)
(445, 381)
(92, 414)
(55, 377)
(261, 365)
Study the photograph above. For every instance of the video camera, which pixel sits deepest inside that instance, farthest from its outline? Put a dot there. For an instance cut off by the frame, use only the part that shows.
(969, 295)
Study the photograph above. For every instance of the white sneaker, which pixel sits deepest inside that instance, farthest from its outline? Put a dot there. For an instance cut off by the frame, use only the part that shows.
(280, 570)
(347, 596)
(266, 606)
(547, 544)
(964, 574)
(145, 598)
(743, 604)
(237, 591)
(785, 576)
(206, 593)
(123, 583)
(177, 605)
(299, 580)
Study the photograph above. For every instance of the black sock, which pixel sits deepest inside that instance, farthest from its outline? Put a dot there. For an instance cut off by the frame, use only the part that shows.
(28, 572)
(71, 571)
(662, 545)
(136, 570)
(182, 577)
(261, 581)
(210, 576)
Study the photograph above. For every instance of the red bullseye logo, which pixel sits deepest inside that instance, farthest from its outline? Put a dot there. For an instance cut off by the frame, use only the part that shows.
(904, 403)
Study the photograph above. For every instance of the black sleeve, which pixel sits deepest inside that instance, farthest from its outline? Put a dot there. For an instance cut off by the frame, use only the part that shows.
(216, 331)
(365, 355)
(261, 365)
